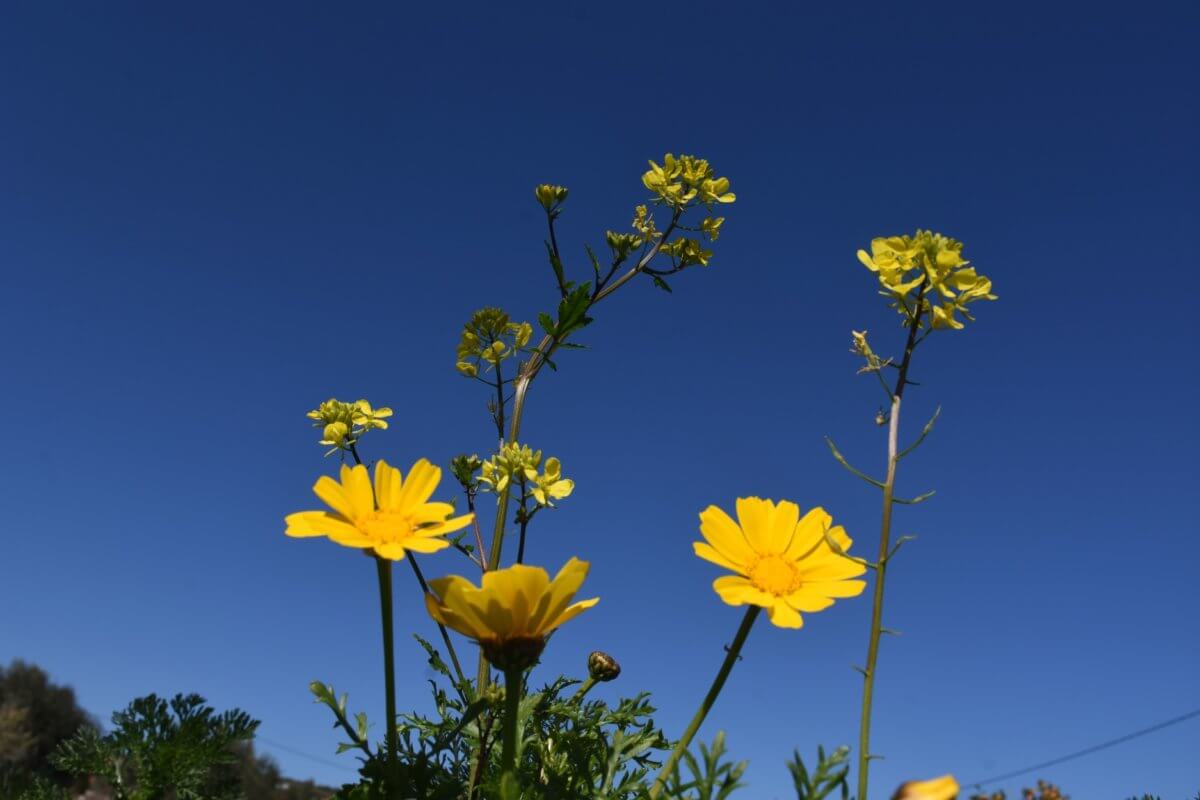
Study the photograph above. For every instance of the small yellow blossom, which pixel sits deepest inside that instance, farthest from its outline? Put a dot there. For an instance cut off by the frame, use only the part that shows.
(513, 610)
(680, 180)
(934, 262)
(550, 196)
(711, 227)
(513, 461)
(943, 788)
(782, 562)
(392, 518)
(551, 485)
(643, 223)
(370, 418)
(343, 423)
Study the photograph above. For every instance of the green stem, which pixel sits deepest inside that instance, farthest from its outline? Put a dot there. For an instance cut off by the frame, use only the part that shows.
(889, 485)
(584, 689)
(512, 709)
(384, 567)
(718, 683)
(885, 533)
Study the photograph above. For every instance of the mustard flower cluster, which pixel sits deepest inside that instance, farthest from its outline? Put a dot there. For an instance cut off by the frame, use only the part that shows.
(488, 338)
(931, 265)
(342, 424)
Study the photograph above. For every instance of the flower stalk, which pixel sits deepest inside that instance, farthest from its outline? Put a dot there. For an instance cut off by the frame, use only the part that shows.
(885, 533)
(512, 711)
(384, 568)
(731, 657)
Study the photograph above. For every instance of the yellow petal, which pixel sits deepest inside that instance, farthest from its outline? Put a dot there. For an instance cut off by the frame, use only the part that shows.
(784, 616)
(782, 525)
(391, 551)
(809, 600)
(725, 536)
(572, 611)
(555, 598)
(387, 485)
(333, 495)
(834, 589)
(754, 516)
(421, 544)
(810, 532)
(422, 480)
(356, 485)
(318, 523)
(738, 591)
(709, 553)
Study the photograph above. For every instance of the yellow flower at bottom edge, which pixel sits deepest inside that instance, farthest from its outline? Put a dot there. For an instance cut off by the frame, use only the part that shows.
(783, 563)
(513, 610)
(943, 788)
(392, 518)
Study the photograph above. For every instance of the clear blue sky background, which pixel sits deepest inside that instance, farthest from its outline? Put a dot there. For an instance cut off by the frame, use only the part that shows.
(213, 218)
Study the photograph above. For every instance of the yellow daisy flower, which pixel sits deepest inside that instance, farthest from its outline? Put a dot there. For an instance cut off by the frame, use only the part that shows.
(783, 563)
(391, 519)
(943, 788)
(512, 612)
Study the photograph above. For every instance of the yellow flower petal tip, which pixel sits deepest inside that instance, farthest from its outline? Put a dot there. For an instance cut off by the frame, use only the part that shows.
(781, 561)
(943, 788)
(390, 516)
(512, 611)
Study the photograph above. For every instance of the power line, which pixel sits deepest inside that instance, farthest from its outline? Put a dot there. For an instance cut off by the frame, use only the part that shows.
(1089, 750)
(302, 754)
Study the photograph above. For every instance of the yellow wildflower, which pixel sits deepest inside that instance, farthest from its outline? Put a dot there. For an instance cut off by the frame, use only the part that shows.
(549, 195)
(369, 417)
(513, 610)
(934, 262)
(943, 788)
(551, 484)
(390, 520)
(783, 562)
(680, 180)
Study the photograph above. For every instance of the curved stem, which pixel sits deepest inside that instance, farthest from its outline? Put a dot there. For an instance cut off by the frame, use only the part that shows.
(584, 688)
(718, 683)
(384, 568)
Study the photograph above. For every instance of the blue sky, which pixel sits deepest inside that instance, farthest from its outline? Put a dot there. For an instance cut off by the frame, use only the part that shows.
(213, 218)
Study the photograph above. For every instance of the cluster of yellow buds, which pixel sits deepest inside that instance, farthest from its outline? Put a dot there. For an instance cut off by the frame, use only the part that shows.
(342, 424)
(862, 348)
(490, 337)
(1044, 791)
(681, 180)
(711, 227)
(643, 223)
(687, 252)
(550, 196)
(933, 265)
(622, 244)
(520, 462)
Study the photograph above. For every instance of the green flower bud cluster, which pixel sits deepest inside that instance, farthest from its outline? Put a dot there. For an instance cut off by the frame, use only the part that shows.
(488, 338)
(343, 424)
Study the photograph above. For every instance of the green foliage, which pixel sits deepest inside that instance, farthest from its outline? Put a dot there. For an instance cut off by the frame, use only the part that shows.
(35, 716)
(712, 777)
(158, 748)
(830, 774)
(570, 747)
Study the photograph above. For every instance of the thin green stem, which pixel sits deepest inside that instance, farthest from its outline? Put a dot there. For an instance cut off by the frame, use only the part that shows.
(584, 688)
(384, 567)
(512, 711)
(885, 533)
(718, 683)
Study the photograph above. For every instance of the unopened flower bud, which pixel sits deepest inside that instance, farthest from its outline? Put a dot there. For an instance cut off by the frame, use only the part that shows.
(603, 667)
(880, 418)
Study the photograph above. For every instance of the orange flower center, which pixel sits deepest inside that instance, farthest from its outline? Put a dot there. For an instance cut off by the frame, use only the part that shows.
(775, 575)
(384, 526)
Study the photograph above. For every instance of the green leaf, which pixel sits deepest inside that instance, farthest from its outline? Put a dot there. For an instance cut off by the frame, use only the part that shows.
(660, 283)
